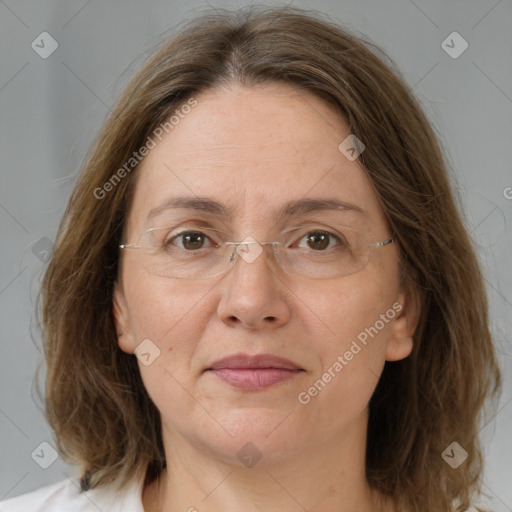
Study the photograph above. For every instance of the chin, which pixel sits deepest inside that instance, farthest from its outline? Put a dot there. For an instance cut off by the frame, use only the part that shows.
(253, 432)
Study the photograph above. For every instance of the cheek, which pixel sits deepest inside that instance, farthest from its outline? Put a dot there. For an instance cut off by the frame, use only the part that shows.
(161, 307)
(173, 316)
(341, 389)
(357, 307)
(174, 320)
(353, 322)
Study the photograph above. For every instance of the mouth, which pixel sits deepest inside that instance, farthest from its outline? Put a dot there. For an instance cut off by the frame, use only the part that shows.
(253, 373)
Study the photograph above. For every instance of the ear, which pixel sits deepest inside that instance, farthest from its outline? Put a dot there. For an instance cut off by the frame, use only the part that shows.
(121, 318)
(404, 324)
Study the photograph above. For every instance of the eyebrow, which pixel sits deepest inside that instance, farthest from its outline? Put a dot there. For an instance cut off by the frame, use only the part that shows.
(289, 209)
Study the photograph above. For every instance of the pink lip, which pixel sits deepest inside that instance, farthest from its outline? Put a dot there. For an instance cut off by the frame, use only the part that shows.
(252, 373)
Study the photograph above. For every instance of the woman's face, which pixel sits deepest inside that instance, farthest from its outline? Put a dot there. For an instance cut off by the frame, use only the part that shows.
(252, 151)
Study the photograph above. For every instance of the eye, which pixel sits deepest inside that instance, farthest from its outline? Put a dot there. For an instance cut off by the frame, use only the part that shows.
(319, 240)
(191, 241)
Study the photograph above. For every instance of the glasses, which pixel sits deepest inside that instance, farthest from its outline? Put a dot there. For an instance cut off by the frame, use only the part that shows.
(201, 253)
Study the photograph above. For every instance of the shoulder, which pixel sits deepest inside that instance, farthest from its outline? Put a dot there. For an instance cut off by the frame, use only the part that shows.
(66, 495)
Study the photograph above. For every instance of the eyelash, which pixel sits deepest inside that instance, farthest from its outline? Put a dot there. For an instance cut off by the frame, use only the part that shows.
(339, 239)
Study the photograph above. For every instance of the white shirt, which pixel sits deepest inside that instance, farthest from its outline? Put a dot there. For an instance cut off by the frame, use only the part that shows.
(66, 496)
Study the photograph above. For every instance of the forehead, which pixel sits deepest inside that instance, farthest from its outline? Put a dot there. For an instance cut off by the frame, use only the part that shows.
(254, 150)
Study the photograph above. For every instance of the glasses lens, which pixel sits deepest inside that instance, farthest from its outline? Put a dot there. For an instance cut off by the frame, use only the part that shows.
(316, 261)
(183, 254)
(188, 253)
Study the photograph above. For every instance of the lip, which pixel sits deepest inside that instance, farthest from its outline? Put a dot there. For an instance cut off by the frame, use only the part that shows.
(248, 362)
(252, 373)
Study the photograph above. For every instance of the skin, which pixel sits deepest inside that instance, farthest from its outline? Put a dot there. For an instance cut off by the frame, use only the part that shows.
(253, 149)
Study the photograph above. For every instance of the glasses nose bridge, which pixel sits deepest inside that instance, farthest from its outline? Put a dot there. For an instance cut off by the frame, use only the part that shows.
(250, 255)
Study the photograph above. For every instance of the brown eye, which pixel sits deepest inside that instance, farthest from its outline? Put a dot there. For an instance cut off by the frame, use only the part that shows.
(190, 240)
(318, 240)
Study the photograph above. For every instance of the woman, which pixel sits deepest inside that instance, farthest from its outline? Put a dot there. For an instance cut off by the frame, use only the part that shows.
(262, 296)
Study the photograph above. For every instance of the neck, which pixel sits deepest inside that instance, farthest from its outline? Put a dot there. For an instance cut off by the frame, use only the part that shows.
(327, 474)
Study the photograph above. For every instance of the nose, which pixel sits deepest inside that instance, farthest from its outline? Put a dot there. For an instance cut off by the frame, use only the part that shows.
(253, 292)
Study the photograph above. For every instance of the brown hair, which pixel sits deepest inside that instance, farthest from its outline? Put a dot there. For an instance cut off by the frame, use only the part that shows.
(95, 400)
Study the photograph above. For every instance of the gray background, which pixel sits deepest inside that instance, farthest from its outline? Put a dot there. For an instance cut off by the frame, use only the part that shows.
(52, 108)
